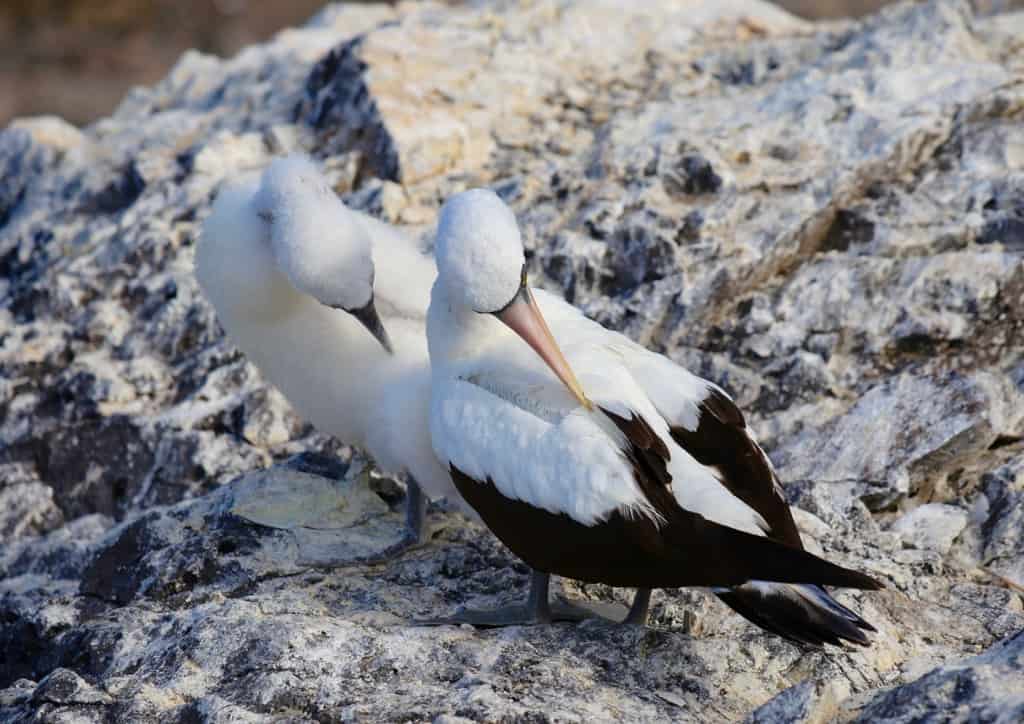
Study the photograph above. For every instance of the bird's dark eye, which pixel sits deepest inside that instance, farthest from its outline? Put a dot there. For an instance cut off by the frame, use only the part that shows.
(519, 293)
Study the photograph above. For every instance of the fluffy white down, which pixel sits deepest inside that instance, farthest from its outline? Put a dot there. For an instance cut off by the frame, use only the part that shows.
(318, 243)
(233, 232)
(479, 251)
(405, 272)
(326, 364)
(398, 434)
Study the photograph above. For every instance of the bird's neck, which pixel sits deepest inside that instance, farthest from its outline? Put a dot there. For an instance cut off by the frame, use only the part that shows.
(456, 335)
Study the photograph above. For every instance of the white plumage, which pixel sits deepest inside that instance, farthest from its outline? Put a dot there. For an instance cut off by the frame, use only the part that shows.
(275, 255)
(472, 252)
(501, 415)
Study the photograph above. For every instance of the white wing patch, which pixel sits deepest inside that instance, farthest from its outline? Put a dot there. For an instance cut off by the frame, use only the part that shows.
(676, 394)
(698, 489)
(568, 465)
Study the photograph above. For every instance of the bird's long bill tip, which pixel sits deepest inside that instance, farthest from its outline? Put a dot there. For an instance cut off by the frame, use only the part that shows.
(368, 317)
(523, 317)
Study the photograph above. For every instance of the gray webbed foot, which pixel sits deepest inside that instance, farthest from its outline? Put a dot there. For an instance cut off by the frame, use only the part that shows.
(538, 609)
(415, 527)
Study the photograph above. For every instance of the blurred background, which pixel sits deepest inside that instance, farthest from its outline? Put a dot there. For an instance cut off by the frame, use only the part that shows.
(77, 58)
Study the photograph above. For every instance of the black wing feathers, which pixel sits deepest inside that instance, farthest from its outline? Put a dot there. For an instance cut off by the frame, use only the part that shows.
(738, 555)
(721, 441)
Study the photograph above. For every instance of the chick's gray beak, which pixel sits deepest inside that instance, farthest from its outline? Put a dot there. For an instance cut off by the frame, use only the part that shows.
(368, 317)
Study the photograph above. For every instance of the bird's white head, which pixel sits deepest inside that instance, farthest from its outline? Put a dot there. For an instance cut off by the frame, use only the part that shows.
(482, 266)
(479, 250)
(318, 243)
(270, 242)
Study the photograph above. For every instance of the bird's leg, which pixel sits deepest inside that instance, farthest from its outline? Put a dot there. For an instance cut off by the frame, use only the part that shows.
(641, 607)
(538, 609)
(545, 610)
(415, 511)
(537, 603)
(415, 523)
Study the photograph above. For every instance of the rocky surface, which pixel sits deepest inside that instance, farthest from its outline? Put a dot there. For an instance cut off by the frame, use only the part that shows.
(828, 220)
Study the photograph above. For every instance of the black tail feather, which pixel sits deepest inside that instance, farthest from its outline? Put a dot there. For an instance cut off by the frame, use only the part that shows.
(802, 613)
(748, 557)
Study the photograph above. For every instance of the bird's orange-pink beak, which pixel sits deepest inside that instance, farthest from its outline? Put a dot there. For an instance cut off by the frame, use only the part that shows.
(523, 317)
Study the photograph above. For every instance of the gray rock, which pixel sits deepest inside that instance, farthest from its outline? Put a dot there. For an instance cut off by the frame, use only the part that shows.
(932, 525)
(806, 703)
(66, 687)
(825, 219)
(901, 437)
(19, 692)
(63, 696)
(989, 687)
(998, 510)
(26, 505)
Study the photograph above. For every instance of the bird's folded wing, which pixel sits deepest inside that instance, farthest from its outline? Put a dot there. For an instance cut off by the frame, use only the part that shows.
(718, 469)
(521, 435)
(705, 422)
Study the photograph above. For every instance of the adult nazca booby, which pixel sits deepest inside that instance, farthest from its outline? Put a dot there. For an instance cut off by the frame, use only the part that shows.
(620, 467)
